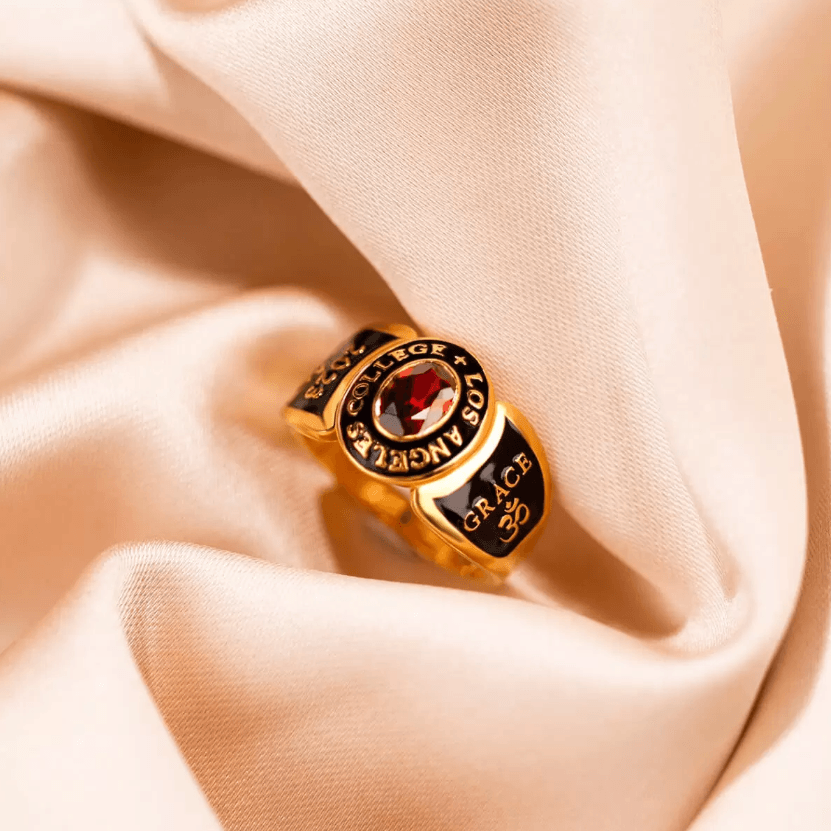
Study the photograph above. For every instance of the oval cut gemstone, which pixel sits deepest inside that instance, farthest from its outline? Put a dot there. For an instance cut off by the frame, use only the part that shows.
(416, 399)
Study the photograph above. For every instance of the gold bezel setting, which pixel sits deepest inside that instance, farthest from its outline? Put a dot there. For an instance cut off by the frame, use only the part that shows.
(408, 461)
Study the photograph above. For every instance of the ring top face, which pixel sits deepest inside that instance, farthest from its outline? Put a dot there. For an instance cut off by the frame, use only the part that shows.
(415, 409)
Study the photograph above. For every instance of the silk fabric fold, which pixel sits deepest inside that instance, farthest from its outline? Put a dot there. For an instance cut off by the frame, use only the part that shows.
(623, 209)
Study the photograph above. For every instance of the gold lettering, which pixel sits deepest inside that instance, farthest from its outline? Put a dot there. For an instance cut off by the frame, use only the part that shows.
(381, 461)
(524, 462)
(437, 450)
(322, 376)
(469, 379)
(371, 379)
(470, 416)
(483, 505)
(342, 362)
(362, 446)
(419, 458)
(418, 349)
(361, 440)
(470, 515)
(438, 349)
(399, 354)
(381, 365)
(500, 493)
(505, 477)
(398, 462)
(454, 435)
(475, 399)
(353, 406)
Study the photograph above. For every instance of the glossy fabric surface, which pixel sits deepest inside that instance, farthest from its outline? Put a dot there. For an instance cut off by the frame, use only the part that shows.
(621, 208)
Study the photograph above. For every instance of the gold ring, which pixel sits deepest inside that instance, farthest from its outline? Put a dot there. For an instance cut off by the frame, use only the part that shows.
(410, 426)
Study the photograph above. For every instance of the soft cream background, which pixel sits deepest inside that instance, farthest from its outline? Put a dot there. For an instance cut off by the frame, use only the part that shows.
(622, 207)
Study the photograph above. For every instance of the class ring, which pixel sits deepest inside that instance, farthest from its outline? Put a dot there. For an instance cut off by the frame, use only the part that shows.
(411, 427)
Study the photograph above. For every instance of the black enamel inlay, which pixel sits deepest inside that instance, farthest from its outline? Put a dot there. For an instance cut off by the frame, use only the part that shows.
(315, 393)
(512, 485)
(381, 454)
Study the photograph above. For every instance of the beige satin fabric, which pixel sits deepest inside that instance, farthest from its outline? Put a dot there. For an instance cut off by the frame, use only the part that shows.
(623, 208)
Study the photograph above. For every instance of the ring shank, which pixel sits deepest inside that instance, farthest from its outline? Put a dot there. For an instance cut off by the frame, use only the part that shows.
(391, 507)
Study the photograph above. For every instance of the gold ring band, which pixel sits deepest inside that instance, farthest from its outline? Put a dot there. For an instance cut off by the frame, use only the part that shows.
(410, 426)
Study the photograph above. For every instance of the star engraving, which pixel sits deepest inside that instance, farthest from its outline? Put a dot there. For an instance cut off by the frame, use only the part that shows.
(460, 359)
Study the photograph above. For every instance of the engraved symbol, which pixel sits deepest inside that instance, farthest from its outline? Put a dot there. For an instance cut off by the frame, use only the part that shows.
(460, 359)
(516, 513)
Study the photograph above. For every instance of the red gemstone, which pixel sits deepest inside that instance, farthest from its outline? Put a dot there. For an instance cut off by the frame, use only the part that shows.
(416, 399)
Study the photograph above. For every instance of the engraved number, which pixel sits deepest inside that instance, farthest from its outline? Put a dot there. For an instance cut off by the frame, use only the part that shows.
(325, 375)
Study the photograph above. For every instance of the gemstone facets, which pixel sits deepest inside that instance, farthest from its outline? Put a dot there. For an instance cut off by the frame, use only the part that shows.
(416, 400)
